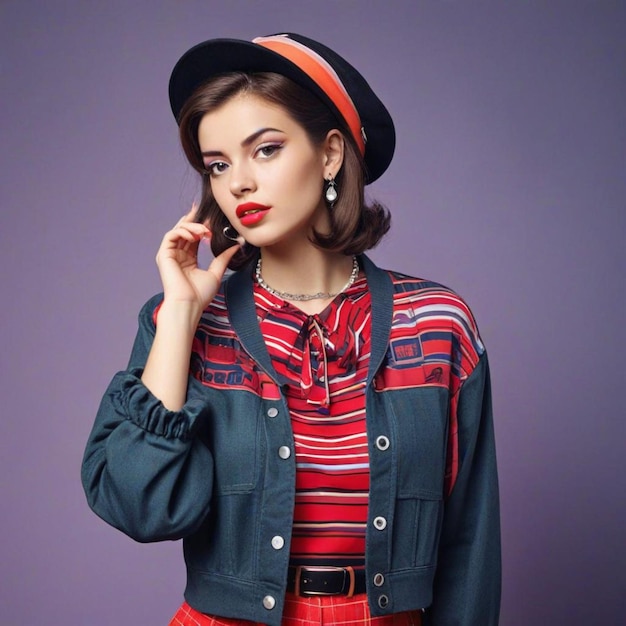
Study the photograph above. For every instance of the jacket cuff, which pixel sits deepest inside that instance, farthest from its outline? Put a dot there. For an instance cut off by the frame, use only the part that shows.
(139, 405)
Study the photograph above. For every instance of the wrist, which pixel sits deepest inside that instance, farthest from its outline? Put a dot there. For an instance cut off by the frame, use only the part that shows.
(181, 314)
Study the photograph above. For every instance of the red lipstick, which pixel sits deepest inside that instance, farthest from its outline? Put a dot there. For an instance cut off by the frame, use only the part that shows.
(251, 213)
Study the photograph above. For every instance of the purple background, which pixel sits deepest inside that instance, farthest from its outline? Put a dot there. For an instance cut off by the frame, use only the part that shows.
(509, 184)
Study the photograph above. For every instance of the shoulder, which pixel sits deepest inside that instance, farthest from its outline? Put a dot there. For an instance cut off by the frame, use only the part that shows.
(431, 307)
(425, 292)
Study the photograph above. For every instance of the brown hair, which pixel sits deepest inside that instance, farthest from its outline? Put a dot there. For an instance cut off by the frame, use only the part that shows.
(355, 226)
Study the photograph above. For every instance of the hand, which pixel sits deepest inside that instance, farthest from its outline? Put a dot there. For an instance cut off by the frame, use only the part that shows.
(177, 260)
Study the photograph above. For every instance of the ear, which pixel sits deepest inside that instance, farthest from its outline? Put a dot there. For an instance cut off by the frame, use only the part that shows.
(334, 145)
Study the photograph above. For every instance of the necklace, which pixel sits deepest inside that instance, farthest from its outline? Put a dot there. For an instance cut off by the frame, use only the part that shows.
(304, 297)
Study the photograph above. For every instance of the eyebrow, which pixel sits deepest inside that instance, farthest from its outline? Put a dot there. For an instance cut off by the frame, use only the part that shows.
(246, 142)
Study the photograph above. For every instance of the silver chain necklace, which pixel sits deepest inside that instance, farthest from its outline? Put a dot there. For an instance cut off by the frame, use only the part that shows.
(304, 297)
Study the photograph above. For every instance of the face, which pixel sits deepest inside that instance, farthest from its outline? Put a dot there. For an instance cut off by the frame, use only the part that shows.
(265, 174)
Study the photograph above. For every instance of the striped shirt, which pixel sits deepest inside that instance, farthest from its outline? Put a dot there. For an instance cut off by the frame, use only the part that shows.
(325, 358)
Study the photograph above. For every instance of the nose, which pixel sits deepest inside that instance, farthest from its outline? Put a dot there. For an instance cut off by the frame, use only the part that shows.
(241, 179)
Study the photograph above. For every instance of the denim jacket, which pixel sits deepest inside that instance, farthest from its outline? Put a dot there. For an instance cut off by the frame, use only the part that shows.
(220, 473)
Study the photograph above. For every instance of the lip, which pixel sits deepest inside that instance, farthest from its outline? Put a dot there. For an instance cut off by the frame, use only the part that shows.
(251, 212)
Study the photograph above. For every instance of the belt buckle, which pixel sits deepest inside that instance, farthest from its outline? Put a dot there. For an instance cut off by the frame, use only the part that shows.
(347, 571)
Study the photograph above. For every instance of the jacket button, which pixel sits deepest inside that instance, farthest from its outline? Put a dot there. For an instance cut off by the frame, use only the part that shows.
(380, 523)
(277, 542)
(382, 442)
(269, 602)
(284, 452)
(272, 412)
(383, 601)
(379, 580)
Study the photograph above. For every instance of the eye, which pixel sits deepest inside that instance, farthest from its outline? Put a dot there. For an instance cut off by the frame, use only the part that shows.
(269, 149)
(216, 168)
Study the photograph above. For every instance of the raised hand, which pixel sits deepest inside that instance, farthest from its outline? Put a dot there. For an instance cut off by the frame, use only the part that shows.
(177, 259)
(188, 290)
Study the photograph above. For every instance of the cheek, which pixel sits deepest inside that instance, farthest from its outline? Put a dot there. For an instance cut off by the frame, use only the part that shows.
(305, 179)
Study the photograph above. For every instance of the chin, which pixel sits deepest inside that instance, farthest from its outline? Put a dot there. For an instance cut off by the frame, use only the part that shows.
(267, 240)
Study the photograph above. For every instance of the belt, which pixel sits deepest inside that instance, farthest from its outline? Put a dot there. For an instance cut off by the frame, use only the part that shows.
(322, 580)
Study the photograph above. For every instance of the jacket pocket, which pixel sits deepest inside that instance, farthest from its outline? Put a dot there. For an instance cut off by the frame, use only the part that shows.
(232, 432)
(420, 422)
(417, 524)
(237, 455)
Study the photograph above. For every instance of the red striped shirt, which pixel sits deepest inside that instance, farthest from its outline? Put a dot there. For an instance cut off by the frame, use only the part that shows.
(325, 358)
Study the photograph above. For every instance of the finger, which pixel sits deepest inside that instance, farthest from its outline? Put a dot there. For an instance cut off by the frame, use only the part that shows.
(193, 213)
(191, 231)
(220, 262)
(180, 235)
(201, 235)
(207, 238)
(188, 217)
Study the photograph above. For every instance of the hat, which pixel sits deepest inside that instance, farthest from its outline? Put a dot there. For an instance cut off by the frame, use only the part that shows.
(309, 64)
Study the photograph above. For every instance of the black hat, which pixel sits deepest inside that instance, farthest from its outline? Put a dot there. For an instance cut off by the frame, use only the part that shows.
(309, 64)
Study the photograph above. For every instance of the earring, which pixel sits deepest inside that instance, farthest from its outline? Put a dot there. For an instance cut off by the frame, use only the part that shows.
(331, 191)
(228, 234)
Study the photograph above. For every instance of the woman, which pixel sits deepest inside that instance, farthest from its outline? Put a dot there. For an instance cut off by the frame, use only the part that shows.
(316, 429)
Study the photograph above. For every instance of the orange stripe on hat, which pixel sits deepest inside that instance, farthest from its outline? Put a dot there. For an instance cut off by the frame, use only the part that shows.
(318, 69)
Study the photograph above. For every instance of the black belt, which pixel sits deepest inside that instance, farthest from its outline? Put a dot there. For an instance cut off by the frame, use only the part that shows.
(318, 580)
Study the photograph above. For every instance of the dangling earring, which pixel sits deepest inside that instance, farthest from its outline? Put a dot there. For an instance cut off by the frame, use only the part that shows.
(228, 233)
(331, 191)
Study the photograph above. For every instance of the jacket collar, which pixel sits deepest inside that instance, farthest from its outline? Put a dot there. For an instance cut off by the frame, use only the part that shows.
(241, 310)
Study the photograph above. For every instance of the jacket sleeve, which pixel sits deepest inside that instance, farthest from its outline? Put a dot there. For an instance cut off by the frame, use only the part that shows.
(144, 471)
(467, 583)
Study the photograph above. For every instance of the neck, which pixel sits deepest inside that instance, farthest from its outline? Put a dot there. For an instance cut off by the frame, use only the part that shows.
(308, 271)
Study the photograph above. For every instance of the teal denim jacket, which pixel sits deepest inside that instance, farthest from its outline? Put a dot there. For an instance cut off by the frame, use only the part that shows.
(220, 473)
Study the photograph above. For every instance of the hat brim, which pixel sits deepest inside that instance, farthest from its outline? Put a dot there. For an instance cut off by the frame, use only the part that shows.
(220, 56)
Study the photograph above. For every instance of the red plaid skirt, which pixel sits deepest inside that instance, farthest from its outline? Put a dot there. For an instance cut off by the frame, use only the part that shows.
(309, 611)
